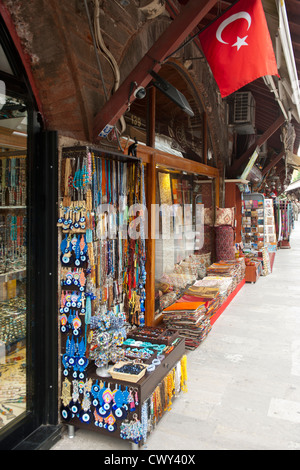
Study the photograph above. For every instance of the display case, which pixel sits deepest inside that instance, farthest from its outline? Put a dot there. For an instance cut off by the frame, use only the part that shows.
(186, 188)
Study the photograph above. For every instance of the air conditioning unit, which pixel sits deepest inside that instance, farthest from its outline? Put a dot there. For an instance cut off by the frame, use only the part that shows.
(243, 113)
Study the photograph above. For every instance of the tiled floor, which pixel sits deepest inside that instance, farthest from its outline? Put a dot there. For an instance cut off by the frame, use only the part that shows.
(243, 381)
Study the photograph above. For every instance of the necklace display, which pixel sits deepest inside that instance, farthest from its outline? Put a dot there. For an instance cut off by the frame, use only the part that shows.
(102, 281)
(102, 299)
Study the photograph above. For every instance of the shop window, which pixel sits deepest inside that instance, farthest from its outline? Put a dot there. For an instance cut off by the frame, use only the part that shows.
(184, 242)
(13, 257)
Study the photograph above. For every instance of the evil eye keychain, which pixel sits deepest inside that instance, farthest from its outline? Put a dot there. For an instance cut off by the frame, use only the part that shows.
(118, 408)
(63, 323)
(76, 325)
(110, 423)
(95, 392)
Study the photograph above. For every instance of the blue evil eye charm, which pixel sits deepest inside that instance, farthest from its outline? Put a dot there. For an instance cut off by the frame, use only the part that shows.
(85, 416)
(76, 225)
(102, 412)
(83, 258)
(119, 413)
(66, 413)
(106, 406)
(74, 407)
(77, 262)
(82, 219)
(111, 427)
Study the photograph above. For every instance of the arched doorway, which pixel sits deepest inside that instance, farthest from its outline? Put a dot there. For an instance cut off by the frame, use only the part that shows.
(173, 128)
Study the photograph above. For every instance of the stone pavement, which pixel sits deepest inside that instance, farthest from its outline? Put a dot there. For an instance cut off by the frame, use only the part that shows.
(243, 380)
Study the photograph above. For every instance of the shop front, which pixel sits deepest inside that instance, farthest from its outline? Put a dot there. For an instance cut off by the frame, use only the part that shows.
(27, 368)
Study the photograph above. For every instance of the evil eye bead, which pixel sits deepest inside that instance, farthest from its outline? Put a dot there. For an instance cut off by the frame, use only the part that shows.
(74, 408)
(118, 413)
(66, 413)
(83, 258)
(68, 282)
(111, 428)
(77, 262)
(95, 402)
(76, 225)
(82, 219)
(102, 412)
(81, 361)
(95, 388)
(85, 417)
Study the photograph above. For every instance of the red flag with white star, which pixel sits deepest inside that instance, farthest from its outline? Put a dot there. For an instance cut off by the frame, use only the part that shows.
(238, 46)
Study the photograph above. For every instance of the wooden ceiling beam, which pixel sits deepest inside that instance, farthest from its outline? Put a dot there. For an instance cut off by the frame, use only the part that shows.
(259, 142)
(180, 28)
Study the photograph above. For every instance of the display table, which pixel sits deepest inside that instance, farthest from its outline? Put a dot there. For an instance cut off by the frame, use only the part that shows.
(113, 422)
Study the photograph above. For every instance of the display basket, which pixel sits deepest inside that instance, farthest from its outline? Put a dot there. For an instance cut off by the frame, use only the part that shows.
(126, 377)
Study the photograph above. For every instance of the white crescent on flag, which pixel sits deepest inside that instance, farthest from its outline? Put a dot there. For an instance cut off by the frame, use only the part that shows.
(237, 16)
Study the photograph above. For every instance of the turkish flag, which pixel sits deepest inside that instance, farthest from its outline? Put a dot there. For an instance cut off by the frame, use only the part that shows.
(238, 46)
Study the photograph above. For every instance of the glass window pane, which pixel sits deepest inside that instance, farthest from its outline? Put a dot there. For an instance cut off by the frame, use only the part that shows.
(13, 279)
(184, 244)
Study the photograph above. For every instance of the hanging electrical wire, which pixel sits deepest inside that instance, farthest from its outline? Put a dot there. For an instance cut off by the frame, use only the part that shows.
(107, 54)
(100, 67)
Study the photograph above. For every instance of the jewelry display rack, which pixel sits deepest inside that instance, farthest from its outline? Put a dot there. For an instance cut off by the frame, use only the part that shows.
(102, 303)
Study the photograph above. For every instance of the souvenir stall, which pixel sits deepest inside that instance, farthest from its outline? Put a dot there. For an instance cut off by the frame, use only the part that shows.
(258, 235)
(284, 221)
(118, 376)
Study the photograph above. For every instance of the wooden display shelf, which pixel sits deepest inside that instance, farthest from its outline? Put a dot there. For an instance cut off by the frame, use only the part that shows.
(145, 387)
